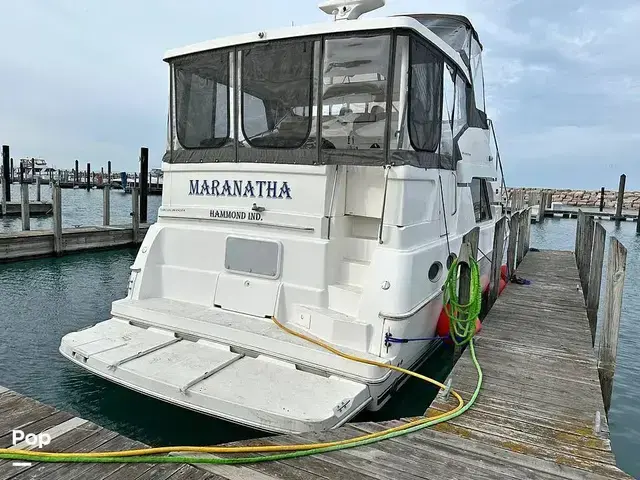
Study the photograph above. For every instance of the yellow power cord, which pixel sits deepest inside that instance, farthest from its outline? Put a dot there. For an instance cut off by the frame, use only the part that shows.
(272, 448)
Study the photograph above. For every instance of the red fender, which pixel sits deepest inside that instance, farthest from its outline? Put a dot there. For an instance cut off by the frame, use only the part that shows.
(502, 286)
(503, 272)
(442, 327)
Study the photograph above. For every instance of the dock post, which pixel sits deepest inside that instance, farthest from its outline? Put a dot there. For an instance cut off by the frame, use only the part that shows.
(56, 194)
(144, 183)
(12, 170)
(638, 222)
(577, 250)
(88, 177)
(602, 199)
(595, 278)
(135, 215)
(106, 205)
(522, 231)
(24, 202)
(496, 261)
(542, 206)
(38, 182)
(7, 173)
(514, 224)
(587, 246)
(76, 174)
(109, 172)
(3, 198)
(623, 180)
(527, 231)
(608, 346)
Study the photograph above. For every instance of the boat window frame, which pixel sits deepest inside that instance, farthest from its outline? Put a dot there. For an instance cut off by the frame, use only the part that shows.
(392, 35)
(174, 102)
(222, 154)
(238, 90)
(438, 121)
(484, 199)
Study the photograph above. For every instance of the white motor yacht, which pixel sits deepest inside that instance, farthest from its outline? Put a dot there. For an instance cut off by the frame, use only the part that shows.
(323, 175)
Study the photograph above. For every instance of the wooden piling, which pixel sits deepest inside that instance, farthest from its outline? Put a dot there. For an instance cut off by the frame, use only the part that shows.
(514, 226)
(587, 246)
(76, 174)
(38, 192)
(109, 172)
(623, 179)
(542, 206)
(549, 199)
(7, 172)
(135, 215)
(577, 252)
(522, 230)
(24, 205)
(3, 197)
(602, 199)
(106, 204)
(527, 230)
(595, 278)
(496, 260)
(608, 346)
(56, 193)
(144, 183)
(88, 177)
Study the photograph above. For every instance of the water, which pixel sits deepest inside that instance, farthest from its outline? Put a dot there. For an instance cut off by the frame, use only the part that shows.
(79, 208)
(42, 300)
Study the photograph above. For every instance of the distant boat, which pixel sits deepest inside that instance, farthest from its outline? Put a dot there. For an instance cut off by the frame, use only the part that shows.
(33, 165)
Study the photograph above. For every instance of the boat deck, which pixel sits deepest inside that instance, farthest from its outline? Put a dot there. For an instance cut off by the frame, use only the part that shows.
(534, 417)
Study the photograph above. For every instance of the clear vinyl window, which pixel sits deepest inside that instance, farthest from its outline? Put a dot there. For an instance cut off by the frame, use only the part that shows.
(202, 99)
(480, 196)
(276, 81)
(354, 96)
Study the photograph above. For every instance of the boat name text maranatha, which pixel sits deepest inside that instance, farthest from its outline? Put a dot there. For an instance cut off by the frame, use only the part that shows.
(240, 188)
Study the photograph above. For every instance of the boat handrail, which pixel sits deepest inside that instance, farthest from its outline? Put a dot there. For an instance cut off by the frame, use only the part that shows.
(410, 313)
(333, 196)
(387, 168)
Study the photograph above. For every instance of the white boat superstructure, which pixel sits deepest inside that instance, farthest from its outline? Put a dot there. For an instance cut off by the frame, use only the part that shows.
(33, 166)
(323, 175)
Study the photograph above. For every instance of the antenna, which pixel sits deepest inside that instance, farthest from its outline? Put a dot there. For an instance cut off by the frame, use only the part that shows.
(349, 9)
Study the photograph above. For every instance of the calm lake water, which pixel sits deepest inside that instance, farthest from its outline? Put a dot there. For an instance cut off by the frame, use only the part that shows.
(42, 300)
(79, 208)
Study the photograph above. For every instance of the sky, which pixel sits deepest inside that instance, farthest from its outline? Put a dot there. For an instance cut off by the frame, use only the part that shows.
(86, 80)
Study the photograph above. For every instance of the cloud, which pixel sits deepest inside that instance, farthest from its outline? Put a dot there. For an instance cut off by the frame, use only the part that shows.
(87, 80)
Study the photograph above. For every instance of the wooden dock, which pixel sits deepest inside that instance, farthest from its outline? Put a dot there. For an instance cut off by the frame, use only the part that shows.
(72, 434)
(535, 417)
(41, 243)
(36, 209)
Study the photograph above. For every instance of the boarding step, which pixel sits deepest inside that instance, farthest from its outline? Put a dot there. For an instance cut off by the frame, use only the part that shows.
(353, 272)
(359, 248)
(211, 378)
(345, 299)
(334, 327)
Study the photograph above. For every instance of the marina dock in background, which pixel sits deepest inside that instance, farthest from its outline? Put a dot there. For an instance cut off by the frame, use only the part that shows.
(541, 412)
